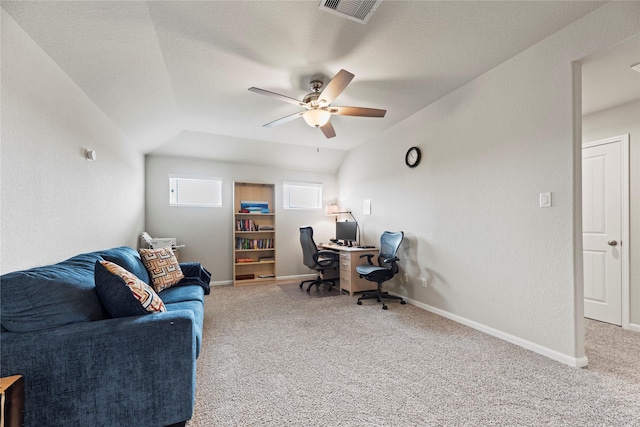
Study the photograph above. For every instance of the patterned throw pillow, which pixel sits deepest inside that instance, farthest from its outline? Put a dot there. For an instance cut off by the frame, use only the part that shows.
(122, 293)
(162, 266)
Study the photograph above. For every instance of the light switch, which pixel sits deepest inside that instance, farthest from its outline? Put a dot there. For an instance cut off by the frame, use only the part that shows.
(366, 210)
(545, 200)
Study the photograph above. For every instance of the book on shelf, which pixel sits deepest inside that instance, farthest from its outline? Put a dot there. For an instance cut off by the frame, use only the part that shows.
(254, 206)
(244, 243)
(266, 276)
(266, 258)
(248, 276)
(244, 260)
(245, 225)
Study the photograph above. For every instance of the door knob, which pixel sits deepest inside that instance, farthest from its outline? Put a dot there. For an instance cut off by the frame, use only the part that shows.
(612, 243)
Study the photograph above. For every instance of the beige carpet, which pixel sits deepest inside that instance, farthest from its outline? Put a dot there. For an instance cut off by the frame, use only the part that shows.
(294, 291)
(270, 360)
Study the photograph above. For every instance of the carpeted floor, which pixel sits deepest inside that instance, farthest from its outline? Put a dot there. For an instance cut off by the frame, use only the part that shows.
(293, 291)
(271, 360)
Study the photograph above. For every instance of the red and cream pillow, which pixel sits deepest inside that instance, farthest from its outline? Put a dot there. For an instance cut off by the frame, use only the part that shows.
(162, 266)
(122, 293)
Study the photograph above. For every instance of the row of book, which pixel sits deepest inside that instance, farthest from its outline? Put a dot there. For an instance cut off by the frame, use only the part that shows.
(242, 243)
(260, 259)
(251, 276)
(245, 225)
(250, 225)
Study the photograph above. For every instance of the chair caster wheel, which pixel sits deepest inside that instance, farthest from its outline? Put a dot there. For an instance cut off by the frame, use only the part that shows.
(359, 302)
(384, 307)
(403, 302)
(300, 285)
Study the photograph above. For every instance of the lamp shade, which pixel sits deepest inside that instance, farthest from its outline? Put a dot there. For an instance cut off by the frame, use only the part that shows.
(316, 118)
(331, 209)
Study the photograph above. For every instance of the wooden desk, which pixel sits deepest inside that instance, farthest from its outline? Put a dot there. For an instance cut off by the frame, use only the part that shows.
(349, 259)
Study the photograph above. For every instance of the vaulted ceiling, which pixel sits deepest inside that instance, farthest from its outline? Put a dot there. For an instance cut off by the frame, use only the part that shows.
(173, 75)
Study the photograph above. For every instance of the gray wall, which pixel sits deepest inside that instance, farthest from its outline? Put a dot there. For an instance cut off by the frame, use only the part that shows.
(621, 120)
(207, 232)
(54, 203)
(494, 259)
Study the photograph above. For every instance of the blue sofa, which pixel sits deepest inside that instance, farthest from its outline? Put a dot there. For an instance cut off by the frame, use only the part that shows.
(83, 368)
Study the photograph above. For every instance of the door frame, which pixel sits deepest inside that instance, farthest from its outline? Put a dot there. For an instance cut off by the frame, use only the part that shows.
(624, 237)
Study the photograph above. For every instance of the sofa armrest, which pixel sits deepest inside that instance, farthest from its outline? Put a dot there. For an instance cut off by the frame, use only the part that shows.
(128, 371)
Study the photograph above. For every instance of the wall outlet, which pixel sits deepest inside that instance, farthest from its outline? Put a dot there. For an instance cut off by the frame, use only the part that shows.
(424, 282)
(405, 278)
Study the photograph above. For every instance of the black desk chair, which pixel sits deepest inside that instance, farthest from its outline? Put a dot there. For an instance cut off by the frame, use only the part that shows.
(385, 270)
(316, 260)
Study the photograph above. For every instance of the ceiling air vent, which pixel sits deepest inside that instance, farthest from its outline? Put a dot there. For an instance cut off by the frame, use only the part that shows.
(356, 10)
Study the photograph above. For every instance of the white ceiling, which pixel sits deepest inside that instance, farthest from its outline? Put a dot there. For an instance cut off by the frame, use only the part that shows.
(607, 77)
(173, 75)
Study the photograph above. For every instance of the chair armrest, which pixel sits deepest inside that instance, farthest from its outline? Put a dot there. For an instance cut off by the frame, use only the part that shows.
(330, 258)
(388, 260)
(328, 254)
(369, 256)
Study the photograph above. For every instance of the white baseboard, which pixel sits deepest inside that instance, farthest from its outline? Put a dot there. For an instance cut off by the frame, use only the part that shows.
(300, 277)
(574, 362)
(634, 327)
(222, 283)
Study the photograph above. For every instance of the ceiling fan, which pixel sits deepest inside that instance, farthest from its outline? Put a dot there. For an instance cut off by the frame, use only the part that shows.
(317, 104)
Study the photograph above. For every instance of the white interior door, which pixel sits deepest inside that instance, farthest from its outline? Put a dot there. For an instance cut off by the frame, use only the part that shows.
(602, 205)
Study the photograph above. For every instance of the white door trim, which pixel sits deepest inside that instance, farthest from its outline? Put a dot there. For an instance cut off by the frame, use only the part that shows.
(624, 244)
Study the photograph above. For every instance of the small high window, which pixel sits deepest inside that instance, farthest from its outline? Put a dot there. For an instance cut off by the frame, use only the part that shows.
(195, 191)
(302, 195)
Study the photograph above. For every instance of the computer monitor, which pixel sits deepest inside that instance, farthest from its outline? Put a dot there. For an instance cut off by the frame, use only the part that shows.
(347, 231)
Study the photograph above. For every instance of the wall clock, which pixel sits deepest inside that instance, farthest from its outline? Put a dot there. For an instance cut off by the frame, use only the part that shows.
(412, 158)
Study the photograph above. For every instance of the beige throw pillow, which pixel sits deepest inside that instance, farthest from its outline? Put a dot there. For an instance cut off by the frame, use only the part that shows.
(162, 266)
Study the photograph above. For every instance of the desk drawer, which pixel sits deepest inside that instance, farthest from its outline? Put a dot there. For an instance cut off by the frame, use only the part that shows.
(345, 282)
(345, 260)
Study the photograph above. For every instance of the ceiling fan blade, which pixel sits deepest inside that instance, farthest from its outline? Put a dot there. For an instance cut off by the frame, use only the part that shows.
(328, 130)
(358, 111)
(278, 96)
(284, 120)
(335, 87)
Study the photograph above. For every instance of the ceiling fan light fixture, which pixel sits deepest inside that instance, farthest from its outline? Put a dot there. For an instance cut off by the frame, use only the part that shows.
(316, 118)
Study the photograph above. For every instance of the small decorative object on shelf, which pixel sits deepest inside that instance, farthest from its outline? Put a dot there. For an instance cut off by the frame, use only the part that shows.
(254, 233)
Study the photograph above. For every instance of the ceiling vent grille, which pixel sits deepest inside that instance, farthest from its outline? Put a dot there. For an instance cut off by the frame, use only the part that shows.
(355, 10)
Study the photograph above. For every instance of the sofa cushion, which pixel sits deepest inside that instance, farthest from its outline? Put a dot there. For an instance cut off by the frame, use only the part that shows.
(122, 293)
(50, 296)
(129, 259)
(182, 293)
(163, 267)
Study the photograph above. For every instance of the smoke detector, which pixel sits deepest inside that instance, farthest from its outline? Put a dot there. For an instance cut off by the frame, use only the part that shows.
(355, 10)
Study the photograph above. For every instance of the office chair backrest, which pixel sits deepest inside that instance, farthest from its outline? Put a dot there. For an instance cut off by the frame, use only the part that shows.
(389, 244)
(309, 248)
